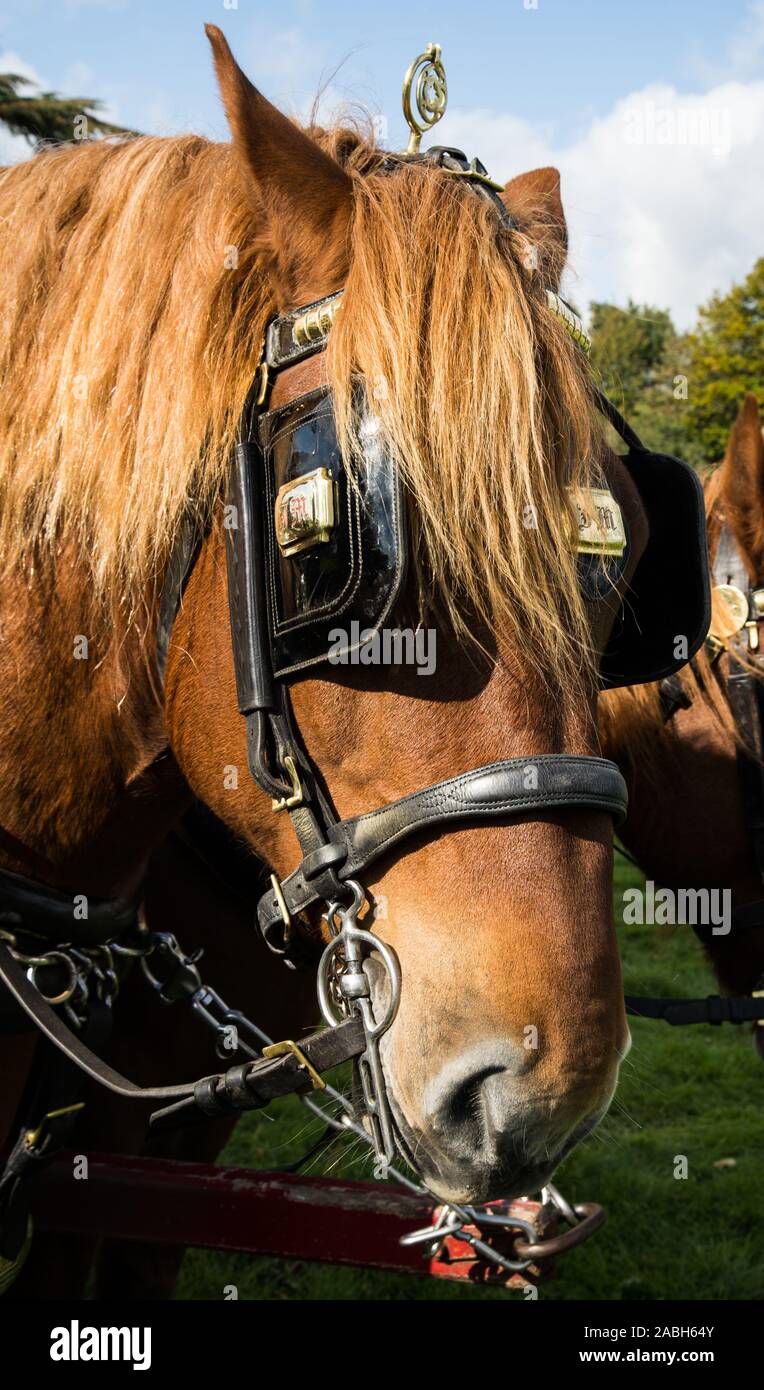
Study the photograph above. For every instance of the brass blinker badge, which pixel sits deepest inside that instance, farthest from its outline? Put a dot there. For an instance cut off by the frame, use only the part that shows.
(729, 611)
(304, 512)
(600, 522)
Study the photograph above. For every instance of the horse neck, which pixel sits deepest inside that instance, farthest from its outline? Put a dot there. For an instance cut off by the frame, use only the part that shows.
(81, 738)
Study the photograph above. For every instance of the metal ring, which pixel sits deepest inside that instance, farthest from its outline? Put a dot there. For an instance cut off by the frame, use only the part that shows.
(589, 1217)
(390, 960)
(66, 993)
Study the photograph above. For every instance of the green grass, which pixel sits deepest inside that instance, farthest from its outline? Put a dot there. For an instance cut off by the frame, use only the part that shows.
(695, 1091)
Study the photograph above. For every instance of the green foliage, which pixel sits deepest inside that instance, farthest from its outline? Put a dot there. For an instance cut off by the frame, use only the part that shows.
(48, 116)
(642, 365)
(682, 393)
(726, 361)
(628, 346)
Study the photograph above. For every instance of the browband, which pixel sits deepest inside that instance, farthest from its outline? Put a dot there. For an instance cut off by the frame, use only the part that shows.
(291, 338)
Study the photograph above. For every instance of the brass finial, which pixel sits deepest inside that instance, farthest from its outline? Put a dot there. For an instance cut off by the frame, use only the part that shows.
(431, 94)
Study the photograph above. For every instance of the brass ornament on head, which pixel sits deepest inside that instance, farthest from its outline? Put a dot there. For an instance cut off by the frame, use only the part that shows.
(431, 94)
(729, 612)
(313, 325)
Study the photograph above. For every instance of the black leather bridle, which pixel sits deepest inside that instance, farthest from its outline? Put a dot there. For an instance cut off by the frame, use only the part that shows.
(334, 851)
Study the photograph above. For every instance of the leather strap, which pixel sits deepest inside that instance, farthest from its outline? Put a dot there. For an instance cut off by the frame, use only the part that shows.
(282, 348)
(515, 787)
(182, 561)
(716, 1008)
(257, 1082)
(252, 1085)
(49, 912)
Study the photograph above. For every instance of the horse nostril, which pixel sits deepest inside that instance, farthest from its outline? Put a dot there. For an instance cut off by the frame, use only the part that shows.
(478, 1099)
(465, 1103)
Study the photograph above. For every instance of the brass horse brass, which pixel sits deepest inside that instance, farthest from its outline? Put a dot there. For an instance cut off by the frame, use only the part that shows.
(431, 94)
(304, 512)
(729, 611)
(600, 523)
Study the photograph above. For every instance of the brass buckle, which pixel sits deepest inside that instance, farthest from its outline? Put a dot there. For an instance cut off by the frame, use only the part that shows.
(279, 1049)
(282, 906)
(33, 1136)
(263, 379)
(285, 803)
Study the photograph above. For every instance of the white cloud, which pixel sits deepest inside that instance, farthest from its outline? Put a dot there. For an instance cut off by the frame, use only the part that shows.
(663, 195)
(283, 61)
(79, 80)
(742, 56)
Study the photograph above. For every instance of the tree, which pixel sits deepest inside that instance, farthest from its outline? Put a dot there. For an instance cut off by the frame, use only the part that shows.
(628, 346)
(642, 364)
(726, 360)
(48, 116)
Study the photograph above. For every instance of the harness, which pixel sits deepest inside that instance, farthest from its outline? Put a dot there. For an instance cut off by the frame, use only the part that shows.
(305, 548)
(738, 610)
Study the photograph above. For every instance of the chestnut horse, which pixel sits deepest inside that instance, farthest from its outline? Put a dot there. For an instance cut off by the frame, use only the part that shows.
(137, 279)
(686, 825)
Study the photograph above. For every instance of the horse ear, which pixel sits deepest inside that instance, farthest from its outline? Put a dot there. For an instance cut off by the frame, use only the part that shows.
(742, 484)
(304, 194)
(535, 203)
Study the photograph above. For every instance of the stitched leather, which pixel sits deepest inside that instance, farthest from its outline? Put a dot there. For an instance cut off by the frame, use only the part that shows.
(498, 789)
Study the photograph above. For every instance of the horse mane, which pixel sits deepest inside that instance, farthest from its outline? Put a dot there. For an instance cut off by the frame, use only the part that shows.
(133, 301)
(485, 402)
(131, 308)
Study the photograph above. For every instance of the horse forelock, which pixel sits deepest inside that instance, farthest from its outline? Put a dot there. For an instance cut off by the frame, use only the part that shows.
(484, 401)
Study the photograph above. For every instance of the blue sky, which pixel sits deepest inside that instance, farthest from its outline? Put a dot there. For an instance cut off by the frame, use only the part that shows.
(563, 82)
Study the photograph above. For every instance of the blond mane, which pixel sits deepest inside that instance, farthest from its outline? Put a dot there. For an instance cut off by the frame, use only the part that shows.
(133, 304)
(128, 343)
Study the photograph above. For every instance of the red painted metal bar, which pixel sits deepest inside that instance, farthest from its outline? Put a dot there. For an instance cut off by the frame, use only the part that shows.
(260, 1213)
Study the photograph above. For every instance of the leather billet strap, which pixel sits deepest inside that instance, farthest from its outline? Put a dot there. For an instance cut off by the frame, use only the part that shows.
(244, 1087)
(515, 787)
(251, 1085)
